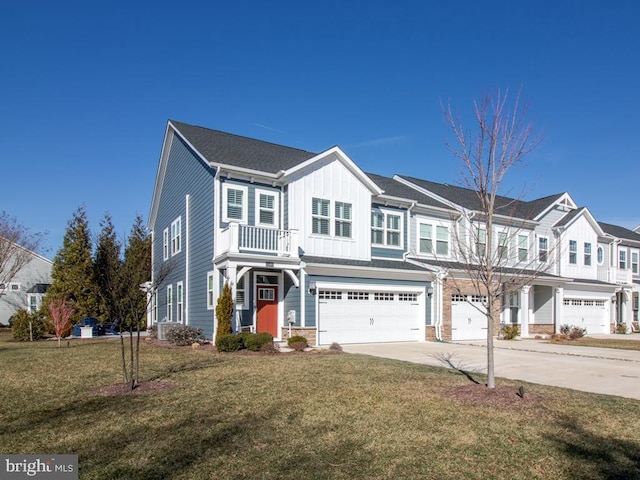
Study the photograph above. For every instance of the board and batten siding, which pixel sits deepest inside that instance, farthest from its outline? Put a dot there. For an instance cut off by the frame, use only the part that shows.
(581, 231)
(186, 175)
(330, 180)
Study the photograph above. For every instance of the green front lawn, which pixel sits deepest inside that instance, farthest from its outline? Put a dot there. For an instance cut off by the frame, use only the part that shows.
(300, 416)
(612, 342)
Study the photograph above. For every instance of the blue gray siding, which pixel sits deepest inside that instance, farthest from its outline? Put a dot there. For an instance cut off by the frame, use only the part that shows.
(542, 304)
(186, 175)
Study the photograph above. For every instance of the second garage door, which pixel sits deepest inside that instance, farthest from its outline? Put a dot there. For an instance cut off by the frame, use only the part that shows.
(363, 315)
(467, 322)
(586, 313)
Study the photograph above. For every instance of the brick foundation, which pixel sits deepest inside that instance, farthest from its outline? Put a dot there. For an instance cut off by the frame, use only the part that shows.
(307, 332)
(430, 334)
(541, 329)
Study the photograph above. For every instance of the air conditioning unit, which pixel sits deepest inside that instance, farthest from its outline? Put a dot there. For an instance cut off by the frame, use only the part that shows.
(163, 328)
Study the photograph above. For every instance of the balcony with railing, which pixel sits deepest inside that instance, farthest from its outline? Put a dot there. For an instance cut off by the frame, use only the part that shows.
(238, 238)
(615, 275)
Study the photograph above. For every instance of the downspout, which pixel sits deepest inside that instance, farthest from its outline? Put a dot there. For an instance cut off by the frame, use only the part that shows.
(186, 268)
(216, 282)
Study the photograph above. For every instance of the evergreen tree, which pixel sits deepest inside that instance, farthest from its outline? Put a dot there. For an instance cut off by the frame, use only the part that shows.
(107, 265)
(135, 272)
(72, 270)
(224, 311)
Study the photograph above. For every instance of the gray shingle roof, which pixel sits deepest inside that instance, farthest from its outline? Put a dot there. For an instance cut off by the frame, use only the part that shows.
(396, 189)
(620, 232)
(228, 149)
(375, 263)
(569, 216)
(468, 198)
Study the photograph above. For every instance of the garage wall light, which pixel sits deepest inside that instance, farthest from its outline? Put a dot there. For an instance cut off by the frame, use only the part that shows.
(312, 288)
(430, 291)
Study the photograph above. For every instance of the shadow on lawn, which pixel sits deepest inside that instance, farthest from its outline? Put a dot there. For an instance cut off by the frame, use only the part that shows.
(448, 361)
(601, 457)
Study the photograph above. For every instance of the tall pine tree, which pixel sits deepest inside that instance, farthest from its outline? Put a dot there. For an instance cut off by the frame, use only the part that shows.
(107, 266)
(72, 270)
(135, 272)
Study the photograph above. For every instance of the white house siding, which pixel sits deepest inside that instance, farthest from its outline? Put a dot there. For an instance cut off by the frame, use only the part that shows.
(581, 231)
(543, 299)
(332, 181)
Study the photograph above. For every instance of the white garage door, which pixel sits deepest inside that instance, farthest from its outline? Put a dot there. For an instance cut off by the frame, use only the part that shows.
(361, 316)
(467, 323)
(586, 313)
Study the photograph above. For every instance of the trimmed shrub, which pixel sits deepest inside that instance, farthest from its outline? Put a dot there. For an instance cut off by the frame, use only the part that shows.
(224, 311)
(621, 328)
(565, 329)
(297, 339)
(509, 332)
(270, 348)
(255, 341)
(335, 347)
(229, 343)
(577, 332)
(20, 326)
(244, 336)
(183, 335)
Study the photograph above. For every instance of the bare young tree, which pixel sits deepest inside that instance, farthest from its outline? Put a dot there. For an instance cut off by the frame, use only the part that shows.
(499, 141)
(17, 243)
(61, 313)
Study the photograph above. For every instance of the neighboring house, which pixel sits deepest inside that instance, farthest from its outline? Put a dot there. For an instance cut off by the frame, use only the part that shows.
(312, 245)
(26, 289)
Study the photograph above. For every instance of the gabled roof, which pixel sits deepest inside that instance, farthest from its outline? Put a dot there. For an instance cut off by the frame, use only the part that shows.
(619, 232)
(468, 199)
(222, 148)
(573, 215)
(393, 188)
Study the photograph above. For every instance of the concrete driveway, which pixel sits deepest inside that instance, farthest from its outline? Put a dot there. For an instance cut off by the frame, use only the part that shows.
(598, 370)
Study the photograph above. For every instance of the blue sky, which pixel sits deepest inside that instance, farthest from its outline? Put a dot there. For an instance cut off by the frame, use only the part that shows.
(87, 88)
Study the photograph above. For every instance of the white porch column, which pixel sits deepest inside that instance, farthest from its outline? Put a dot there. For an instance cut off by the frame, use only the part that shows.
(559, 313)
(524, 311)
(231, 277)
(628, 308)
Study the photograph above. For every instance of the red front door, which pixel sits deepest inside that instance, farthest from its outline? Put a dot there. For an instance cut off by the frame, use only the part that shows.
(267, 316)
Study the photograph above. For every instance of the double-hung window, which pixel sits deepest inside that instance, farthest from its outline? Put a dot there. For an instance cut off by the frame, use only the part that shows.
(481, 243)
(343, 219)
(320, 216)
(503, 245)
(210, 283)
(169, 303)
(386, 228)
(442, 240)
(165, 244)
(543, 249)
(179, 302)
(634, 262)
(426, 238)
(266, 208)
(523, 248)
(573, 252)
(622, 259)
(587, 254)
(235, 203)
(176, 236)
(241, 297)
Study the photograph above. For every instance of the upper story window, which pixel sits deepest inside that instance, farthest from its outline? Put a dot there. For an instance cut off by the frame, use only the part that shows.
(634, 262)
(165, 244)
(523, 248)
(425, 239)
(266, 208)
(386, 228)
(343, 219)
(587, 254)
(481, 243)
(320, 216)
(543, 249)
(573, 252)
(442, 240)
(503, 245)
(176, 236)
(600, 254)
(235, 203)
(622, 259)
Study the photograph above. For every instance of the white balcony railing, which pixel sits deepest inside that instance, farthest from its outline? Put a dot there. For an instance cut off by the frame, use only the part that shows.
(238, 238)
(614, 275)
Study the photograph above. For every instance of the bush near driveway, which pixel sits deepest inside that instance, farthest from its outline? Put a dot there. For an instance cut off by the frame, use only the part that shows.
(299, 416)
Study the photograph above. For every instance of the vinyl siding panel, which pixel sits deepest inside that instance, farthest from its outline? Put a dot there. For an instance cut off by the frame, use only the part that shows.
(543, 304)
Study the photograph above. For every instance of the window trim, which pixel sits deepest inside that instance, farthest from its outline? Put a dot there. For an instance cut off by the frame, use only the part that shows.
(169, 300)
(435, 227)
(521, 248)
(386, 214)
(502, 244)
(225, 203)
(635, 263)
(622, 262)
(429, 238)
(320, 216)
(573, 254)
(343, 217)
(587, 254)
(180, 302)
(176, 236)
(545, 250)
(165, 244)
(211, 291)
(480, 232)
(244, 305)
(275, 210)
(600, 255)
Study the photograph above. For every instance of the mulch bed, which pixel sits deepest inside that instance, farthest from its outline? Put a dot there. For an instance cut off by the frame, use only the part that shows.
(500, 396)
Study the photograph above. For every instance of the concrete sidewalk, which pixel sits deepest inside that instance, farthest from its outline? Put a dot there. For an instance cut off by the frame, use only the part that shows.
(598, 370)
